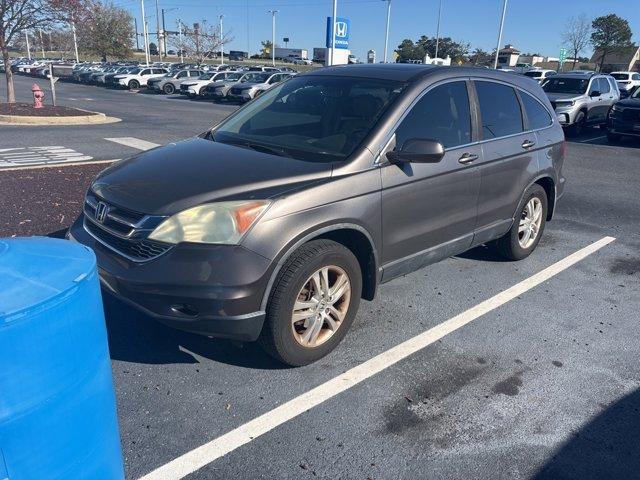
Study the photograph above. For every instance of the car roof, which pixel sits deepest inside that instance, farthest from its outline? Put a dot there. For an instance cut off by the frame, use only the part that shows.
(411, 72)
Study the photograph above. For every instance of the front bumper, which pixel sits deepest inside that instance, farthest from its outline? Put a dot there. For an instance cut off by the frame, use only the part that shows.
(213, 290)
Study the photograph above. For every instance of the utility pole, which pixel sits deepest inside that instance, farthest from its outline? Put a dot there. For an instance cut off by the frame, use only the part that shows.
(144, 33)
(158, 35)
(75, 40)
(221, 42)
(333, 32)
(41, 42)
(273, 36)
(438, 28)
(386, 35)
(164, 34)
(26, 34)
(504, 12)
(146, 25)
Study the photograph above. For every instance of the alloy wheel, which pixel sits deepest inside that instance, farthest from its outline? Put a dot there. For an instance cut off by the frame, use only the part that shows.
(321, 306)
(530, 223)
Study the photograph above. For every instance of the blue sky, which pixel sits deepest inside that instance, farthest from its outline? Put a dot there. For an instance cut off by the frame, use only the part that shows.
(531, 25)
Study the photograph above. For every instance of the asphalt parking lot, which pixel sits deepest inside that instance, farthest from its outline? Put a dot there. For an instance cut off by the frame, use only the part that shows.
(544, 385)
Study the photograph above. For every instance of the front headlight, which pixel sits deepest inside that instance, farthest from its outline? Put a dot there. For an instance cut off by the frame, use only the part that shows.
(616, 108)
(565, 103)
(223, 223)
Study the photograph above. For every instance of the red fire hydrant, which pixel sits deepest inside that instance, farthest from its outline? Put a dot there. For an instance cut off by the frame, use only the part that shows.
(38, 95)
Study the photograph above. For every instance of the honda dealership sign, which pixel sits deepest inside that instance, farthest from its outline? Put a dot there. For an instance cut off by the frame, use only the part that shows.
(343, 30)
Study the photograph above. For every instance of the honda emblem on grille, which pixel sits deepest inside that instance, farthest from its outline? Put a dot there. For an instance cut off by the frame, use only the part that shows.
(101, 211)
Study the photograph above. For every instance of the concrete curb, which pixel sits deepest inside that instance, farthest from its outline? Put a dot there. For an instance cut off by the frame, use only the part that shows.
(92, 118)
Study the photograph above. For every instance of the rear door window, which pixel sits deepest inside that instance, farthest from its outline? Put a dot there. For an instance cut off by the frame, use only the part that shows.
(537, 115)
(499, 109)
(442, 114)
(603, 85)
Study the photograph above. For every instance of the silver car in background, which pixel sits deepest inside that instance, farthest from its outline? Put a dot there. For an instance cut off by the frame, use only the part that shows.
(581, 99)
(254, 85)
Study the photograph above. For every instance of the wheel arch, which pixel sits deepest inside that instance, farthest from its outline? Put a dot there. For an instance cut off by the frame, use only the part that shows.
(354, 237)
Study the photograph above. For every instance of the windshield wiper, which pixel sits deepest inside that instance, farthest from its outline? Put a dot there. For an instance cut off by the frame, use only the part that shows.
(258, 147)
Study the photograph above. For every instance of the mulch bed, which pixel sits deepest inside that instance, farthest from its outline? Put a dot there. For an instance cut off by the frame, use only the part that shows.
(27, 110)
(44, 200)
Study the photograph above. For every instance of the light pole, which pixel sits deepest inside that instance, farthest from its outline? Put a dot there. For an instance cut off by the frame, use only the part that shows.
(386, 35)
(273, 36)
(221, 42)
(41, 42)
(180, 40)
(158, 36)
(438, 28)
(333, 31)
(144, 33)
(504, 12)
(75, 40)
(26, 34)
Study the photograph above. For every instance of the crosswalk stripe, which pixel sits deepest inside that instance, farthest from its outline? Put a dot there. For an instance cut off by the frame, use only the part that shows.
(33, 156)
(133, 142)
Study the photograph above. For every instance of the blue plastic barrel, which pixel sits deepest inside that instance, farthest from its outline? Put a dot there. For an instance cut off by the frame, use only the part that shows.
(57, 404)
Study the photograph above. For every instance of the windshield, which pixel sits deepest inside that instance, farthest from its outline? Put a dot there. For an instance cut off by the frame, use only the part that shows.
(566, 85)
(636, 94)
(234, 77)
(254, 78)
(206, 76)
(620, 76)
(311, 118)
(533, 74)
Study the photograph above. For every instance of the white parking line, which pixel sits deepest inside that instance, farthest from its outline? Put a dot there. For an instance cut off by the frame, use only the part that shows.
(217, 448)
(593, 139)
(134, 143)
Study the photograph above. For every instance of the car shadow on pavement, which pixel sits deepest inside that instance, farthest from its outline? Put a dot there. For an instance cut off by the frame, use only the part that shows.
(483, 253)
(607, 447)
(135, 337)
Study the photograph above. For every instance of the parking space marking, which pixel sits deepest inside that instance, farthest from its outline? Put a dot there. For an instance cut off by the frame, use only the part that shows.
(219, 447)
(134, 143)
(593, 139)
(39, 156)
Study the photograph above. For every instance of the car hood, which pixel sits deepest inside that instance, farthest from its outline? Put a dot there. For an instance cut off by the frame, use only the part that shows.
(629, 102)
(180, 175)
(563, 96)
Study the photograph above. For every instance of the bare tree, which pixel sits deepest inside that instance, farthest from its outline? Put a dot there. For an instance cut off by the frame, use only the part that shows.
(576, 36)
(106, 31)
(201, 41)
(20, 16)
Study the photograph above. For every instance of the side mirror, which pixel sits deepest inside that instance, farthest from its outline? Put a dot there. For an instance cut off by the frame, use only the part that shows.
(595, 93)
(417, 150)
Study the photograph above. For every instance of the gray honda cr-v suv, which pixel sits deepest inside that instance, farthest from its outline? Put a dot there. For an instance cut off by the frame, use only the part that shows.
(275, 223)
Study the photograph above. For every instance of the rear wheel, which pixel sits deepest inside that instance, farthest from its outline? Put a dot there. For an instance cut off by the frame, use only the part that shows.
(312, 303)
(526, 231)
(133, 84)
(169, 89)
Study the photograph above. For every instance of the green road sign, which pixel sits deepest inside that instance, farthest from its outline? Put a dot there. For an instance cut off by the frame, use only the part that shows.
(563, 55)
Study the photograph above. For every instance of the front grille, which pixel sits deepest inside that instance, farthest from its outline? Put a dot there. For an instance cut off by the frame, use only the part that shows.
(136, 250)
(236, 91)
(123, 230)
(184, 88)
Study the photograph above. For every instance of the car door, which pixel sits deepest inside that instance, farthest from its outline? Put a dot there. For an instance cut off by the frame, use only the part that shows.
(508, 161)
(595, 104)
(608, 95)
(429, 209)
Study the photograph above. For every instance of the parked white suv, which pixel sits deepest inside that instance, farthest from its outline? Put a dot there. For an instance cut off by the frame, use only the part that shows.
(626, 81)
(138, 77)
(195, 86)
(253, 84)
(539, 74)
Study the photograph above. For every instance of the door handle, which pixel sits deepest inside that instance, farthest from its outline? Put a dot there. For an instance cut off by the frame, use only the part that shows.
(528, 144)
(467, 158)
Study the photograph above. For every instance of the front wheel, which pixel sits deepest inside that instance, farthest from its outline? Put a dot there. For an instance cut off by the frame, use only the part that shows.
(169, 89)
(526, 231)
(579, 124)
(133, 84)
(312, 303)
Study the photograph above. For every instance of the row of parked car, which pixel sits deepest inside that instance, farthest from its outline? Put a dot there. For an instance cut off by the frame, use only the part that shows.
(586, 98)
(239, 83)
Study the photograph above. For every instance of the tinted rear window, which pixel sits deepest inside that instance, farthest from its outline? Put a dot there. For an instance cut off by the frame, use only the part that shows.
(533, 74)
(499, 109)
(620, 76)
(537, 115)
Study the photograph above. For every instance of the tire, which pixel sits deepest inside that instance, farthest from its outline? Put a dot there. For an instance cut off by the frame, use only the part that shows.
(578, 125)
(133, 84)
(613, 137)
(510, 245)
(169, 89)
(284, 339)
